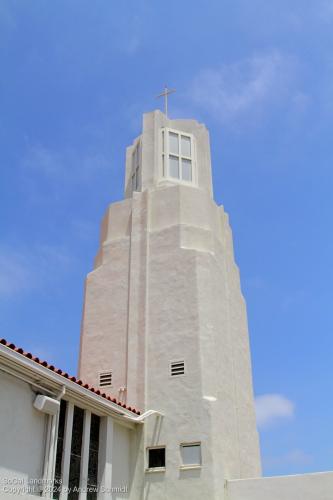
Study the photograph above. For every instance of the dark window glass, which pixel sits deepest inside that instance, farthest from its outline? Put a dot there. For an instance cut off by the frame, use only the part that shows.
(156, 458)
(93, 458)
(75, 461)
(60, 447)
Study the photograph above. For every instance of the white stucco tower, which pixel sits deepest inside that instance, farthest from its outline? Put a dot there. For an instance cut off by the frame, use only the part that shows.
(164, 323)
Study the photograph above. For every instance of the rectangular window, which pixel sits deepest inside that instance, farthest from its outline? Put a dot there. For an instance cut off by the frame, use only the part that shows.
(76, 454)
(136, 171)
(60, 447)
(156, 458)
(177, 156)
(186, 146)
(93, 458)
(190, 454)
(187, 170)
(173, 143)
(105, 379)
(75, 461)
(133, 182)
(137, 179)
(174, 166)
(177, 368)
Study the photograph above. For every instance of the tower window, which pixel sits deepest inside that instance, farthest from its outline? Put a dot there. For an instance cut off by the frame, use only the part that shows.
(177, 155)
(105, 379)
(156, 457)
(190, 454)
(136, 172)
(177, 368)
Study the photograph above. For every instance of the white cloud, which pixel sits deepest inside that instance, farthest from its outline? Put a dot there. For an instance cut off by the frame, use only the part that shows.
(64, 166)
(246, 87)
(28, 270)
(271, 408)
(15, 273)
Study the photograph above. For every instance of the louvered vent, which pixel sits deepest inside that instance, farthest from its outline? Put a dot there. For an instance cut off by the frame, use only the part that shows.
(105, 379)
(177, 368)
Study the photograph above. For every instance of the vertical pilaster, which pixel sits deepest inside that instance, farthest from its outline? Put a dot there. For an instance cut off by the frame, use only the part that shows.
(85, 455)
(67, 451)
(105, 459)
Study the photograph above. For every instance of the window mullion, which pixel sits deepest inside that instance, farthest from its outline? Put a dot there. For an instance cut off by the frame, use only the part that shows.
(67, 451)
(85, 455)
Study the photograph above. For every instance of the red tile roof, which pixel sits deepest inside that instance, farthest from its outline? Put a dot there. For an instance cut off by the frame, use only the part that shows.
(65, 375)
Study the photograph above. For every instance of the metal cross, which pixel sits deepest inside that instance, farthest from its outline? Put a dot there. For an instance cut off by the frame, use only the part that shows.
(165, 94)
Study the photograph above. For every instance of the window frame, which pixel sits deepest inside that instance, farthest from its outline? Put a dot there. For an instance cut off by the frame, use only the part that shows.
(88, 456)
(155, 469)
(165, 154)
(136, 167)
(188, 445)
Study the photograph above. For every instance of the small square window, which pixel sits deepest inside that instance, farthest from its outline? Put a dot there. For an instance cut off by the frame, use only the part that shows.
(156, 458)
(190, 454)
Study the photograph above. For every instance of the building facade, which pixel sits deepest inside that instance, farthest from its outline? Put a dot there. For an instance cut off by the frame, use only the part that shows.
(163, 407)
(164, 318)
(60, 437)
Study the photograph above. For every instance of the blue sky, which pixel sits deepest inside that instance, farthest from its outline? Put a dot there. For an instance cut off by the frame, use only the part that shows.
(76, 77)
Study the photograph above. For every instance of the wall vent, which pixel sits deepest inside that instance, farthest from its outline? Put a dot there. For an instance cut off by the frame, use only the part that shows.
(105, 379)
(177, 368)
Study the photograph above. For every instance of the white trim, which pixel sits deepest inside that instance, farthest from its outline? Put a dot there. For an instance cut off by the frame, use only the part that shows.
(155, 469)
(66, 454)
(32, 373)
(164, 157)
(105, 458)
(50, 458)
(46, 469)
(190, 467)
(85, 455)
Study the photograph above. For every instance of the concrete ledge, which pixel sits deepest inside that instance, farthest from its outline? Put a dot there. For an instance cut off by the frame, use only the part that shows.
(317, 486)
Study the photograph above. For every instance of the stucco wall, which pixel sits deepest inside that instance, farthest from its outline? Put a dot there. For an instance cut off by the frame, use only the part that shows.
(303, 487)
(166, 288)
(121, 462)
(22, 434)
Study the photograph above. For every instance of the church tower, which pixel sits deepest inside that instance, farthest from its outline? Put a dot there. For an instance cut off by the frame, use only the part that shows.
(164, 322)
